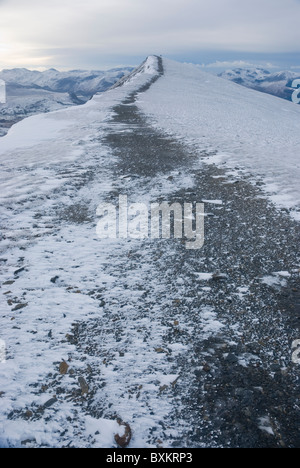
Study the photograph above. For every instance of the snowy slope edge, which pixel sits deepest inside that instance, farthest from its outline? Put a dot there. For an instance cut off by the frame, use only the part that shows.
(151, 66)
(40, 128)
(241, 128)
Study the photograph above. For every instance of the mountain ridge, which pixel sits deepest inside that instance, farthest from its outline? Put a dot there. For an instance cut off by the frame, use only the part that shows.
(277, 84)
(82, 82)
(32, 92)
(182, 348)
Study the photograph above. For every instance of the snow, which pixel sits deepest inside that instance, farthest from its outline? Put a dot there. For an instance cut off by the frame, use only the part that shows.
(21, 135)
(284, 274)
(41, 160)
(213, 202)
(103, 431)
(53, 267)
(151, 65)
(265, 425)
(211, 325)
(82, 82)
(32, 92)
(204, 276)
(277, 278)
(257, 132)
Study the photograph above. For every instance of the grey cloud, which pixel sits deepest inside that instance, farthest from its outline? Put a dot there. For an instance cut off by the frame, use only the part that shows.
(133, 27)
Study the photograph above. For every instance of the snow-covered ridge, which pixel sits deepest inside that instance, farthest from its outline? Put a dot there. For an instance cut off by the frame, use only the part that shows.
(62, 384)
(44, 160)
(81, 82)
(42, 128)
(278, 84)
(151, 66)
(33, 92)
(254, 132)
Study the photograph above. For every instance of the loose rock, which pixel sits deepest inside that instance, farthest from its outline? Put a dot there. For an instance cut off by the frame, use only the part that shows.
(63, 368)
(84, 386)
(124, 441)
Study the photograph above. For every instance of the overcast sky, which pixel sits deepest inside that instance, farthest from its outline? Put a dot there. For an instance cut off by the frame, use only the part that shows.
(102, 33)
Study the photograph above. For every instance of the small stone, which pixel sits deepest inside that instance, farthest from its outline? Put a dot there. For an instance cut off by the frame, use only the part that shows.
(84, 386)
(50, 402)
(19, 307)
(124, 441)
(27, 441)
(63, 368)
(20, 270)
(177, 302)
(163, 388)
(206, 368)
(70, 338)
(219, 276)
(28, 414)
(232, 359)
(175, 381)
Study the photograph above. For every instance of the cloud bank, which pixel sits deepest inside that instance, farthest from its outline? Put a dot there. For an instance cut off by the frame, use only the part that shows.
(67, 32)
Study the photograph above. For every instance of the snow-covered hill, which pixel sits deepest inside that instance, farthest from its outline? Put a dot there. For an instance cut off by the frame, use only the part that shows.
(253, 131)
(244, 129)
(23, 102)
(178, 345)
(278, 84)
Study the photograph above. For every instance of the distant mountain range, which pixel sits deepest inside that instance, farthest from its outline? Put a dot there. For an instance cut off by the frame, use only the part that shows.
(31, 92)
(81, 82)
(278, 84)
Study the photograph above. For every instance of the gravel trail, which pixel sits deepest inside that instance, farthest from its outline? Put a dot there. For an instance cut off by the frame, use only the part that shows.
(190, 348)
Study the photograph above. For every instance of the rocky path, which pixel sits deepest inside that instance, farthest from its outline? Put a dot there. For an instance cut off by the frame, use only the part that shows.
(190, 348)
(237, 386)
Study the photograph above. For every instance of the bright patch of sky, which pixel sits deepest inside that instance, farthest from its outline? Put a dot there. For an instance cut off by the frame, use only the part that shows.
(74, 34)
